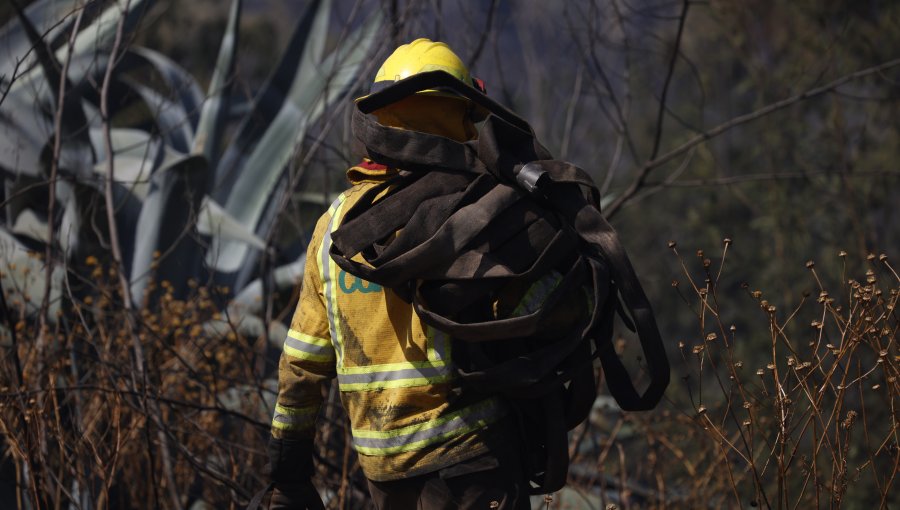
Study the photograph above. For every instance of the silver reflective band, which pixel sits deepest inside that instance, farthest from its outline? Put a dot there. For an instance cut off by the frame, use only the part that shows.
(416, 437)
(307, 347)
(328, 276)
(427, 372)
(291, 418)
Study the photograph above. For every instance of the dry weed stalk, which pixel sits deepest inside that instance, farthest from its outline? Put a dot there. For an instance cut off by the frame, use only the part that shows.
(795, 408)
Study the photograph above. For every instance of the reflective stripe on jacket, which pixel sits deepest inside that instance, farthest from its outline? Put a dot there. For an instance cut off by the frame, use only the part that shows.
(394, 373)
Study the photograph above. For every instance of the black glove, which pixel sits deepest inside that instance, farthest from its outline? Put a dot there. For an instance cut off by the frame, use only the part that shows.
(296, 496)
(291, 471)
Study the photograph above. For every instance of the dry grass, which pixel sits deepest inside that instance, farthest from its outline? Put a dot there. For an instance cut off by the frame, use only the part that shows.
(796, 409)
(793, 409)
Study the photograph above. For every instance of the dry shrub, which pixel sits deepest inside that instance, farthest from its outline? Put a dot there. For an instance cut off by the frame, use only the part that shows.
(84, 424)
(795, 409)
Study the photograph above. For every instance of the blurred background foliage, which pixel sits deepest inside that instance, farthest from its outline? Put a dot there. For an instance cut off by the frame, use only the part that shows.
(798, 183)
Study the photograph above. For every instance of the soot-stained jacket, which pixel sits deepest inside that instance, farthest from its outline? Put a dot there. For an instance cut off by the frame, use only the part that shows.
(395, 374)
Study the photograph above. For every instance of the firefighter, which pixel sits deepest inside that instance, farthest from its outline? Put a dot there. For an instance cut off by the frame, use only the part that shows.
(422, 441)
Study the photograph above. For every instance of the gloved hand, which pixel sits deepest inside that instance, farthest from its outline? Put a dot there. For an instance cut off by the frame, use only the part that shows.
(297, 496)
(291, 470)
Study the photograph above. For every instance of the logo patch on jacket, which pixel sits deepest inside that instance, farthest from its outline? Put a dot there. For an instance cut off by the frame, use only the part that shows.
(350, 284)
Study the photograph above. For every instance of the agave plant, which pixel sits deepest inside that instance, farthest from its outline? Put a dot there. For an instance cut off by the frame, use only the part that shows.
(187, 204)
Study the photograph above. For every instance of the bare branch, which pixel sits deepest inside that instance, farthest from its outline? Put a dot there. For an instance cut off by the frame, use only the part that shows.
(649, 166)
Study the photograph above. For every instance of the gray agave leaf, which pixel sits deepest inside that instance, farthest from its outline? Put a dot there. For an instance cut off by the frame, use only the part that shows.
(51, 17)
(309, 97)
(92, 41)
(166, 227)
(286, 277)
(215, 221)
(23, 277)
(171, 119)
(137, 154)
(180, 83)
(215, 108)
(265, 105)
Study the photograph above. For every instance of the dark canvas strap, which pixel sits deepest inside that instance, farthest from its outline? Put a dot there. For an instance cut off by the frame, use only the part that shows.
(464, 220)
(445, 222)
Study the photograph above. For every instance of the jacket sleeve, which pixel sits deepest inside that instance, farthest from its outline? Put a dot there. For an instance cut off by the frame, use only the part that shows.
(308, 356)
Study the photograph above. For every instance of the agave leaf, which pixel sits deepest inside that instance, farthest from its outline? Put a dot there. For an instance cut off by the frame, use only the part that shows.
(286, 277)
(27, 223)
(99, 37)
(23, 135)
(314, 51)
(311, 197)
(68, 232)
(137, 154)
(180, 83)
(255, 190)
(215, 108)
(170, 117)
(23, 276)
(73, 118)
(51, 17)
(215, 222)
(248, 326)
(245, 398)
(166, 225)
(33, 225)
(91, 41)
(267, 103)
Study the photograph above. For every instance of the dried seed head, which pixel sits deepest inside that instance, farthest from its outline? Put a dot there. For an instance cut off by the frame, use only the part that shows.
(760, 371)
(882, 257)
(771, 309)
(870, 256)
(699, 254)
(701, 409)
(747, 405)
(850, 419)
(746, 423)
(710, 337)
(672, 244)
(697, 349)
(675, 283)
(771, 366)
(738, 364)
(810, 264)
(842, 254)
(727, 241)
(732, 328)
(876, 386)
(756, 294)
(681, 344)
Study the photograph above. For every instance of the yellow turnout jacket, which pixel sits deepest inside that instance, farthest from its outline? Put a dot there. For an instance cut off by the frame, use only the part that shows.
(395, 374)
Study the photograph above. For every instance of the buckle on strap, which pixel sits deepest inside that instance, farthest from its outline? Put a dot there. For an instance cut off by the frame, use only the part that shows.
(529, 177)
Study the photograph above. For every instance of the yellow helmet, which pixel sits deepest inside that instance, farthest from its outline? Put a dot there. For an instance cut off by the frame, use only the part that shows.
(420, 56)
